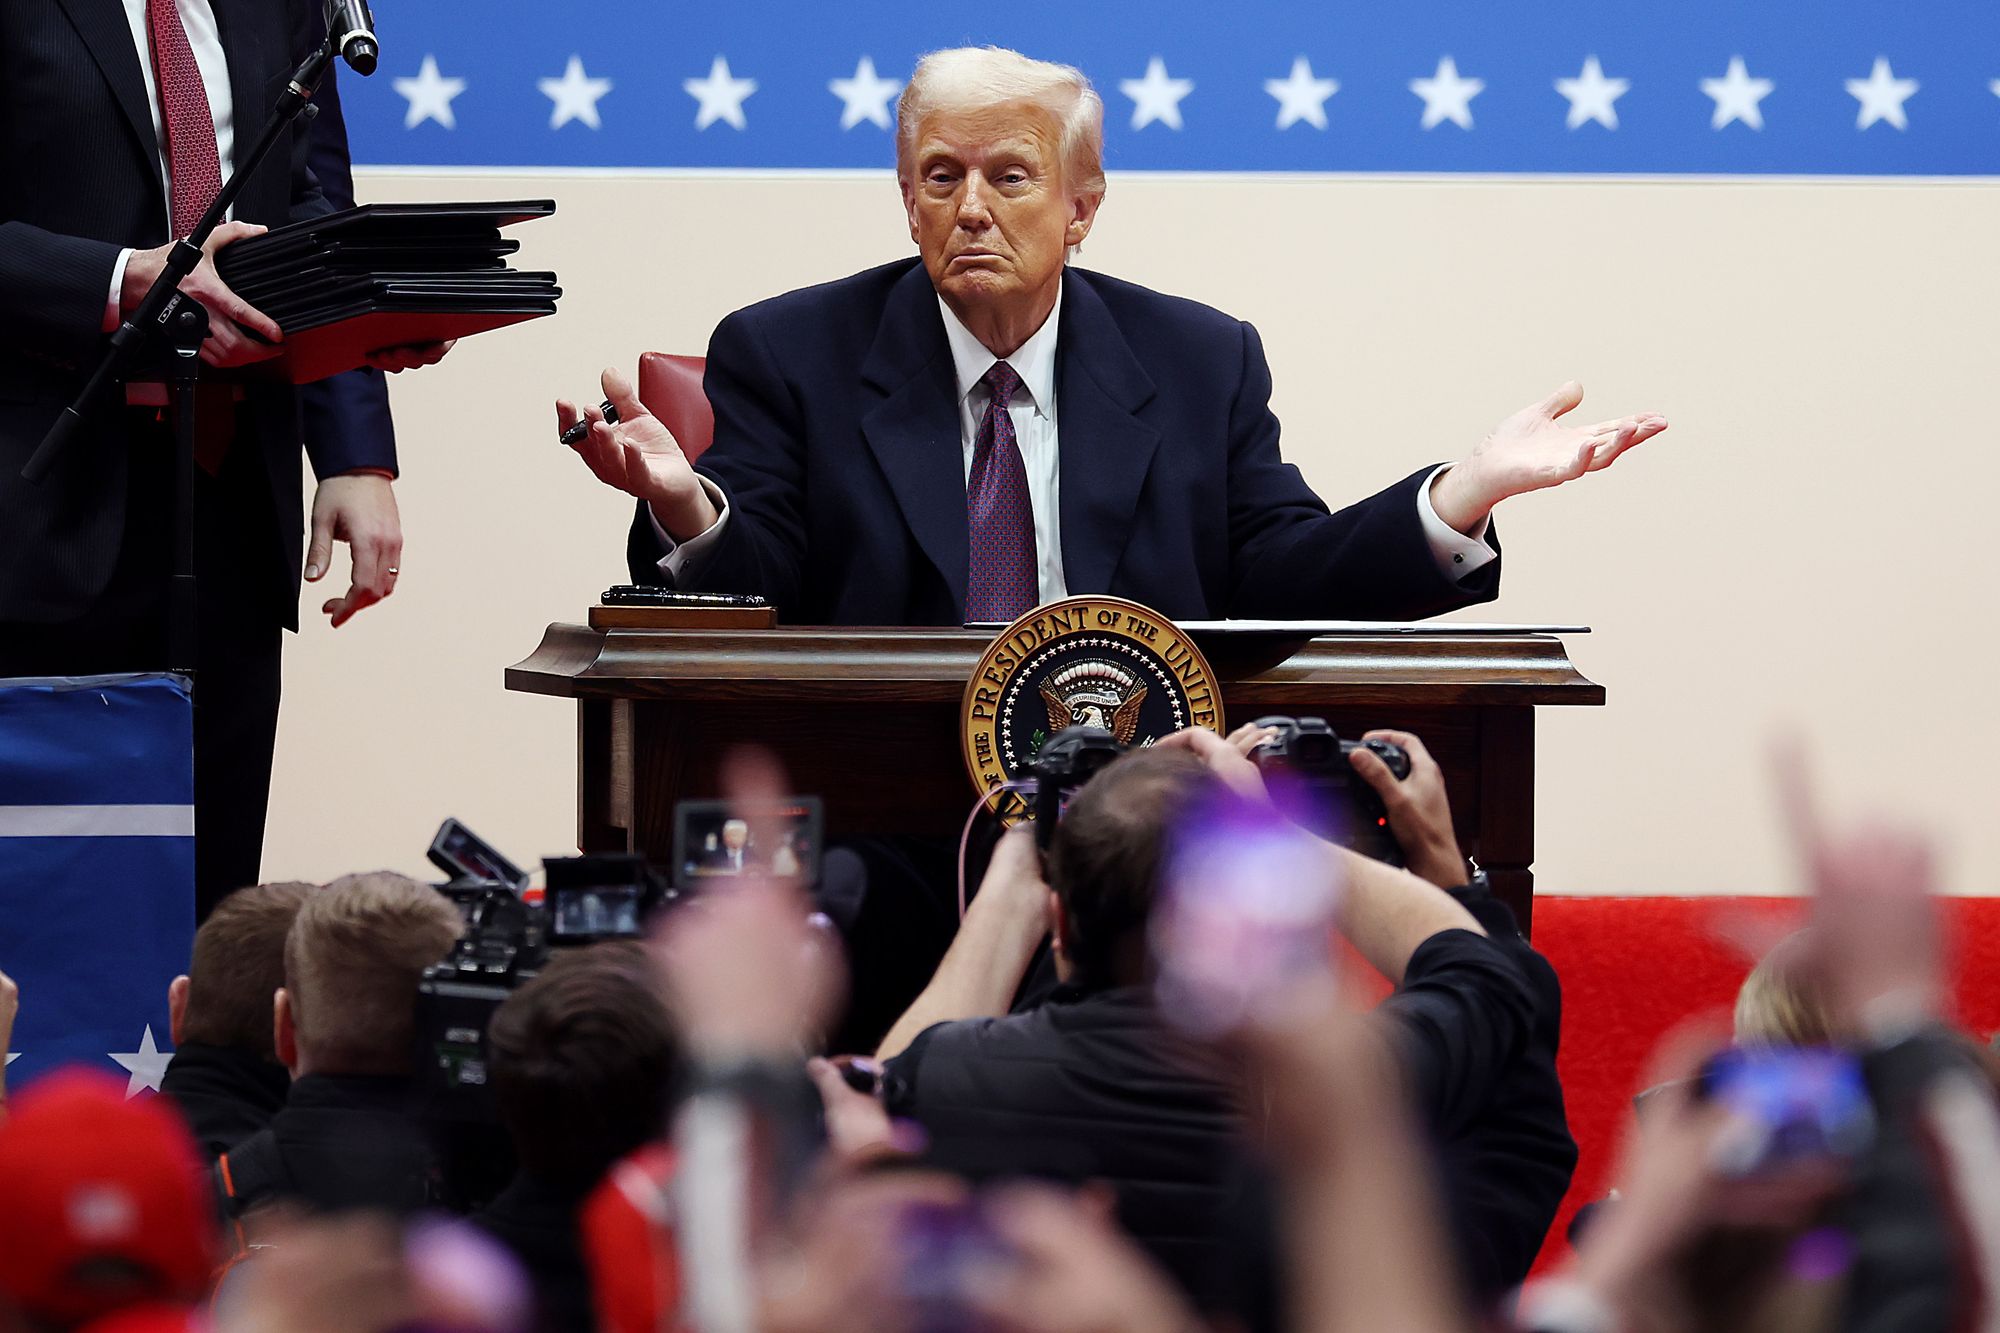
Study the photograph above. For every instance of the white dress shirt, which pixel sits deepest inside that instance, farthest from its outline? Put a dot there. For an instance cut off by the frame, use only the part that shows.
(1033, 408)
(206, 41)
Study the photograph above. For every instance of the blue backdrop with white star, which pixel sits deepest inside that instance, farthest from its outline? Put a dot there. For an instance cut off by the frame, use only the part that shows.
(1841, 87)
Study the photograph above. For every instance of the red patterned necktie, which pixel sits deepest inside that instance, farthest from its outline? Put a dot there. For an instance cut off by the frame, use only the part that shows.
(194, 171)
(1004, 583)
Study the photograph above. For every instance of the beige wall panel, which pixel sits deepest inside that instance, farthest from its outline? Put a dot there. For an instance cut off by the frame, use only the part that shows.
(1805, 547)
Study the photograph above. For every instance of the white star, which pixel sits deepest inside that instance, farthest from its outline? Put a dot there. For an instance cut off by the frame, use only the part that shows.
(1882, 95)
(12, 1056)
(1301, 96)
(430, 95)
(720, 95)
(1736, 96)
(1156, 97)
(866, 95)
(147, 1065)
(1591, 96)
(1447, 96)
(575, 95)
(1995, 86)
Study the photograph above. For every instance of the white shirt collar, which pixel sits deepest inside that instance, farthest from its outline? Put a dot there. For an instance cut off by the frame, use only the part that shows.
(1034, 360)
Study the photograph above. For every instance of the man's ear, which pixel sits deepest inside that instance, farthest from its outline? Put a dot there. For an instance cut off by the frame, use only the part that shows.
(1083, 215)
(1058, 921)
(177, 1007)
(284, 1031)
(909, 189)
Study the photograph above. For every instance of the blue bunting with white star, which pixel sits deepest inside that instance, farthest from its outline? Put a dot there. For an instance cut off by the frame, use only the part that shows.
(96, 869)
(1710, 87)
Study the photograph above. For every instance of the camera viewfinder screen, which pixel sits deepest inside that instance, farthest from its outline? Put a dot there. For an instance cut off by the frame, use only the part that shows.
(713, 843)
(595, 913)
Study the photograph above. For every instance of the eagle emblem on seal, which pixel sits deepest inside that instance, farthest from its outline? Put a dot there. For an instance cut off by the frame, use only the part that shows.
(1095, 693)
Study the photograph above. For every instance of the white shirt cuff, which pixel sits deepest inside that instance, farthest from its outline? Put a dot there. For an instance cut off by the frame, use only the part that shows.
(111, 311)
(681, 556)
(1458, 556)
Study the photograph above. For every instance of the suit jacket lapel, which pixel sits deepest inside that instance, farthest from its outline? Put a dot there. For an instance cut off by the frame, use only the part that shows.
(102, 25)
(913, 425)
(1106, 450)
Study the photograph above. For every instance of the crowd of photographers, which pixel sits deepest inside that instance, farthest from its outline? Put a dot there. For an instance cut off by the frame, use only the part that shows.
(1137, 1094)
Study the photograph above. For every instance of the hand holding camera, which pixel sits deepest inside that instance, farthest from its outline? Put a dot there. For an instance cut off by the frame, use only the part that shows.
(1414, 803)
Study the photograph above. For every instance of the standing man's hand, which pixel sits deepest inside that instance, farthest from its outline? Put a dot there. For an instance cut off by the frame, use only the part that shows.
(641, 457)
(1419, 811)
(1532, 450)
(358, 508)
(228, 314)
(410, 356)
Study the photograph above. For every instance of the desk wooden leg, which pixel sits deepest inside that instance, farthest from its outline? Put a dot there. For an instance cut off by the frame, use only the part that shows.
(1507, 806)
(603, 783)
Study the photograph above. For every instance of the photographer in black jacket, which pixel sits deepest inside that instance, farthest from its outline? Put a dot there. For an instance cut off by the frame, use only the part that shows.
(225, 1076)
(1093, 1086)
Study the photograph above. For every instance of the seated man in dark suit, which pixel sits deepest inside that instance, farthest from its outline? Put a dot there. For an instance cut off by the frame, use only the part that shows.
(1110, 439)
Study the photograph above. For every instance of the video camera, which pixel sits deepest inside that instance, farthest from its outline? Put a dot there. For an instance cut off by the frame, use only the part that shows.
(1317, 786)
(507, 940)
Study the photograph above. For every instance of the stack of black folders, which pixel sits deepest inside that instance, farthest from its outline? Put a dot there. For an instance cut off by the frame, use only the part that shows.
(386, 275)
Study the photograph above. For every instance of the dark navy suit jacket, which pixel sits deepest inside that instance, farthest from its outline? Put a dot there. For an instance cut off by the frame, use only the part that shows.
(837, 446)
(79, 180)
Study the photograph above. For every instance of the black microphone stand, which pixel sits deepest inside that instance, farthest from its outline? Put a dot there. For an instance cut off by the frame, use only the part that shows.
(160, 342)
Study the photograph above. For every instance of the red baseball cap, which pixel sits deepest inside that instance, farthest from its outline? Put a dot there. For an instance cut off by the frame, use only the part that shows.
(106, 1202)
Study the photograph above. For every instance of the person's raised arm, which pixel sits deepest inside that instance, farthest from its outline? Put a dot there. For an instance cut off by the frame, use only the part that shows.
(1007, 921)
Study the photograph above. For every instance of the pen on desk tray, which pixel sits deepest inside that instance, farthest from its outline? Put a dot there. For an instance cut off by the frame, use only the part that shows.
(575, 434)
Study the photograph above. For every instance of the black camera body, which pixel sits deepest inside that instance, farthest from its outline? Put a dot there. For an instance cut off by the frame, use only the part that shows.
(1067, 760)
(1309, 758)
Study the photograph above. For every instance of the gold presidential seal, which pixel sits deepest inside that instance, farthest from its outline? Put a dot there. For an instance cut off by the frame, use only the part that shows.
(1084, 661)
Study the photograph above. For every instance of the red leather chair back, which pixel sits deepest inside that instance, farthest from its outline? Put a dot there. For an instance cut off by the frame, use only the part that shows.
(670, 387)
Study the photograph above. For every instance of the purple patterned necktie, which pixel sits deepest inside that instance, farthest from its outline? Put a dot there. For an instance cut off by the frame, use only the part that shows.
(1002, 519)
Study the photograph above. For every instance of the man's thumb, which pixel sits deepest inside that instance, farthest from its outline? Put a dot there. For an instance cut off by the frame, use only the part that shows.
(1564, 399)
(320, 553)
(1372, 770)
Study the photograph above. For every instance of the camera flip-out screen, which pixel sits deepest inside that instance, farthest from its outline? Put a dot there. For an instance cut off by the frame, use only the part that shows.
(715, 841)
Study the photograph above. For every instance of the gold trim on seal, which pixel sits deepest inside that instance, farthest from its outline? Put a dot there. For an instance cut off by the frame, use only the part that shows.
(1105, 693)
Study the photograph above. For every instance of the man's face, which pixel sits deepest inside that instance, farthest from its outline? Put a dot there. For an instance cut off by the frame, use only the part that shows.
(988, 205)
(735, 835)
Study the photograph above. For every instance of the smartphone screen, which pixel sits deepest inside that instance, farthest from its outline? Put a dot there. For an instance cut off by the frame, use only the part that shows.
(1796, 1103)
(1246, 913)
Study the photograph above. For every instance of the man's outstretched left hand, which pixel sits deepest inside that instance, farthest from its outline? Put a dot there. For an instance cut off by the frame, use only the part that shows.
(1531, 451)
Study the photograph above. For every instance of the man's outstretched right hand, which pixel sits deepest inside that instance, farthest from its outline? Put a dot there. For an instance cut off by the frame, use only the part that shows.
(641, 457)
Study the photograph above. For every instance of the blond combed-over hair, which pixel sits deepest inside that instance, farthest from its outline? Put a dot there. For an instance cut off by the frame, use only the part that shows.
(971, 77)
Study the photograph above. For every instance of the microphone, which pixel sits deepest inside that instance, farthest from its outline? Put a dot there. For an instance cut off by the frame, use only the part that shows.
(352, 28)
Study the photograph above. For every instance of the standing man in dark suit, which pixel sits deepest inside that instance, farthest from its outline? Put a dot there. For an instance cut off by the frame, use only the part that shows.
(119, 120)
(1109, 439)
